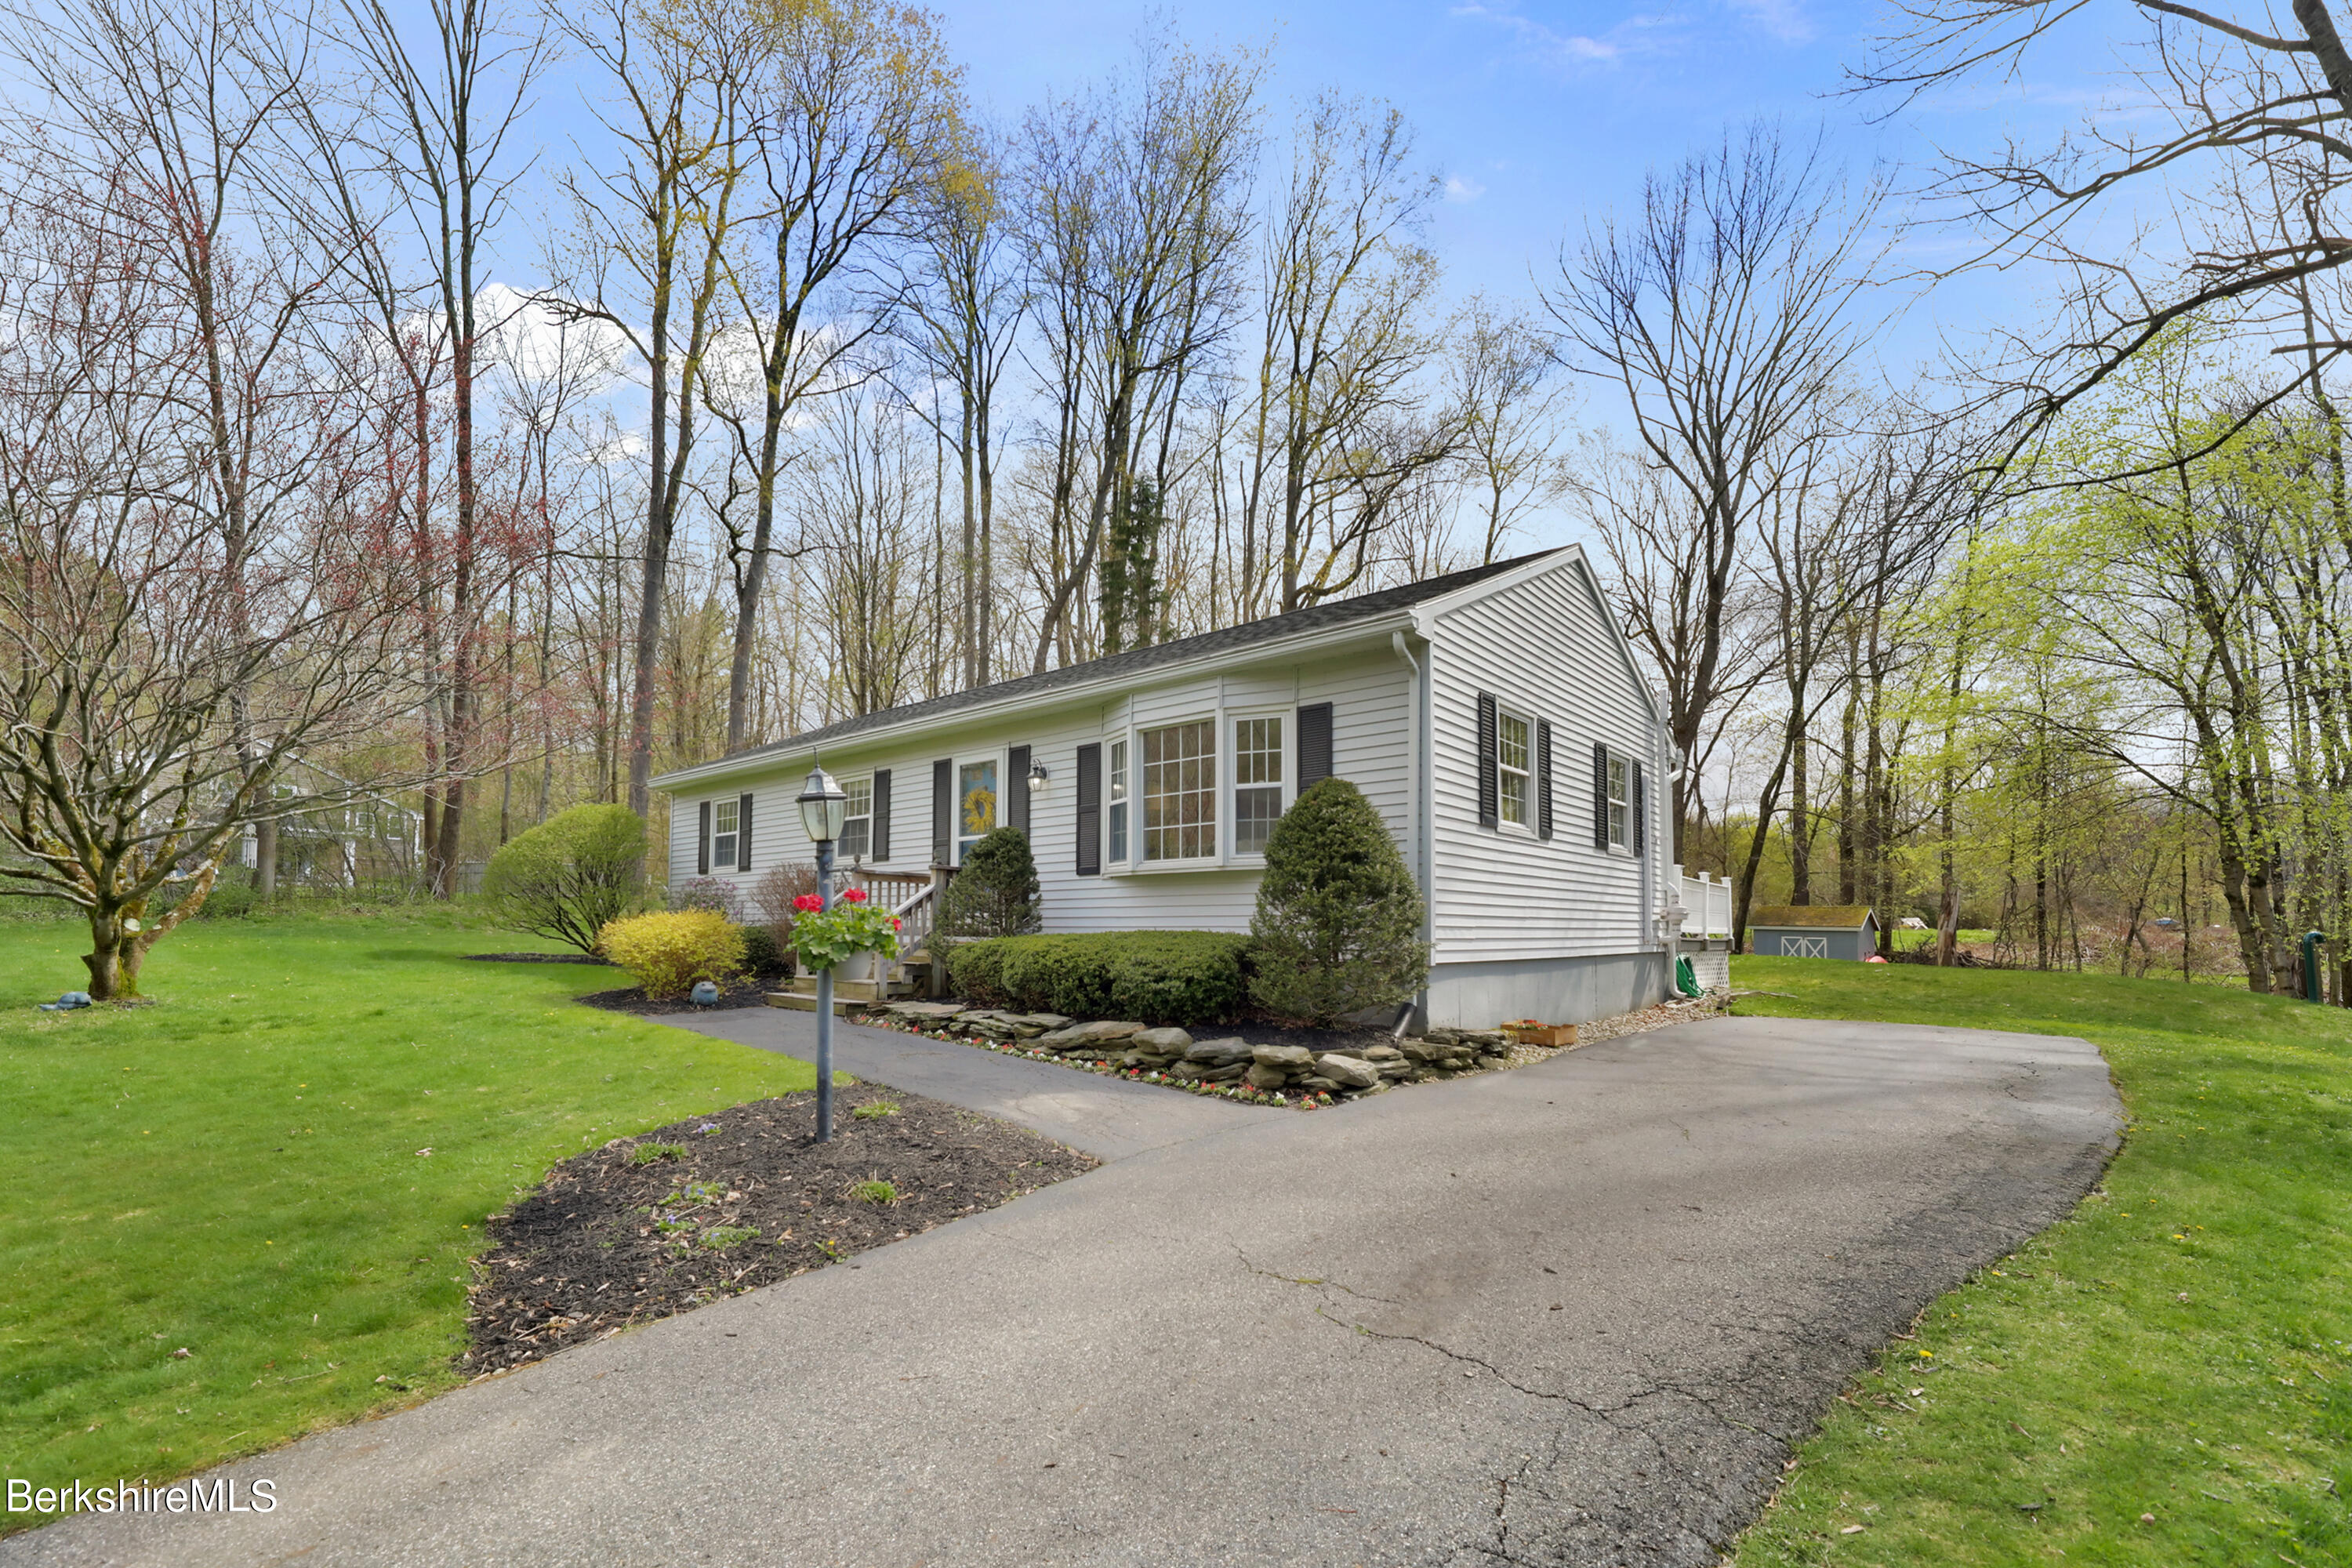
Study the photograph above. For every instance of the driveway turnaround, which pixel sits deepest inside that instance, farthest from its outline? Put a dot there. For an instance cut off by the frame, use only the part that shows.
(1108, 1117)
(1576, 1312)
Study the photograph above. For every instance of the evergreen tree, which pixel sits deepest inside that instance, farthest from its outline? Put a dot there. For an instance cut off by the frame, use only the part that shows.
(1129, 600)
(995, 892)
(1338, 927)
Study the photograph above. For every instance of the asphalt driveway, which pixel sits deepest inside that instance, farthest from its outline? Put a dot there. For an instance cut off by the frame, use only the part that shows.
(1573, 1313)
(1108, 1117)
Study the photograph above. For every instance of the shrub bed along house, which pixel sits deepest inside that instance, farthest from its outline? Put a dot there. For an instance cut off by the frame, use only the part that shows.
(1177, 977)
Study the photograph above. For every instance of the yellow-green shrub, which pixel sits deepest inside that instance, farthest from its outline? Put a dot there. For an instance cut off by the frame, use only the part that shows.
(668, 952)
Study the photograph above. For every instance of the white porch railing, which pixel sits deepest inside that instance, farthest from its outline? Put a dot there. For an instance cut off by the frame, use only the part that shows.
(1706, 906)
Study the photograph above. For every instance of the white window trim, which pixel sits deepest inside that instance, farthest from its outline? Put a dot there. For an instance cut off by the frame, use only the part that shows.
(733, 856)
(1521, 829)
(1220, 838)
(1613, 756)
(1120, 770)
(867, 780)
(962, 760)
(1222, 718)
(1230, 718)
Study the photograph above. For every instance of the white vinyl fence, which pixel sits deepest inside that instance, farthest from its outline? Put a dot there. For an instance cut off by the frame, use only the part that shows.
(1706, 906)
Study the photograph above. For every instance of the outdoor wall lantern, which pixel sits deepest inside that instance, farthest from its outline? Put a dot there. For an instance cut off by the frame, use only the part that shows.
(825, 807)
(1037, 776)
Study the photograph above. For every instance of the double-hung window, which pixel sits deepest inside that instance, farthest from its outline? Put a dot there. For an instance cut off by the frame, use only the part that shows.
(1514, 770)
(1117, 802)
(1620, 810)
(723, 824)
(1258, 783)
(857, 821)
(1179, 791)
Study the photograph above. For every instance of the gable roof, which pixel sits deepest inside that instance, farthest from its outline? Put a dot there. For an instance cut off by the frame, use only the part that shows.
(1826, 917)
(1331, 614)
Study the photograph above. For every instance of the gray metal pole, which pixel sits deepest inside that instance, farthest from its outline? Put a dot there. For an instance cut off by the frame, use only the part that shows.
(825, 1006)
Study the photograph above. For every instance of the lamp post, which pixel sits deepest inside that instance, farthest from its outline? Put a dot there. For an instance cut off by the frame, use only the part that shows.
(825, 807)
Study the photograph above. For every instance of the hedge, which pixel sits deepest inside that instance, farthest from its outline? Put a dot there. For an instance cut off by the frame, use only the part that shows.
(1180, 977)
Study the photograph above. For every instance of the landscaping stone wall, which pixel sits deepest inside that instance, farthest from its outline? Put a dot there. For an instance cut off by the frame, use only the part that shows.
(1439, 1053)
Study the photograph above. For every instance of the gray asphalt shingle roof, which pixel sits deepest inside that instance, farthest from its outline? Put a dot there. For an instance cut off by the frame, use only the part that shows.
(1315, 618)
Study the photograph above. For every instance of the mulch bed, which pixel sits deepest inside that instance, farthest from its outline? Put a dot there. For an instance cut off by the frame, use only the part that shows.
(752, 992)
(606, 1242)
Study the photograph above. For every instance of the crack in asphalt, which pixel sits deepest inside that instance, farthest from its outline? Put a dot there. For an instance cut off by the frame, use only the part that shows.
(1306, 1280)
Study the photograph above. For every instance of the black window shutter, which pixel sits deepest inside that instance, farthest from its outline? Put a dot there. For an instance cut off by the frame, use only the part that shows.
(743, 834)
(1490, 797)
(1016, 789)
(880, 836)
(1641, 811)
(1090, 810)
(943, 812)
(702, 849)
(1543, 778)
(1314, 745)
(1600, 796)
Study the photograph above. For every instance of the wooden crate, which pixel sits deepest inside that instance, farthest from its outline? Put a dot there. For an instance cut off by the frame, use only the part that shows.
(1527, 1032)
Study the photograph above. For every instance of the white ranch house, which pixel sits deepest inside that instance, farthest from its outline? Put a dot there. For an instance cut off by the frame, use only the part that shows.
(1494, 717)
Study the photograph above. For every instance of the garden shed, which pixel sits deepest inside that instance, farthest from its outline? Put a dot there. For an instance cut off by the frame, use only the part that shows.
(1814, 931)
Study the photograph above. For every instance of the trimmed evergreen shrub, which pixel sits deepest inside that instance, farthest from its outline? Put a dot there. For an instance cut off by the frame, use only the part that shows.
(1338, 927)
(994, 893)
(761, 953)
(1182, 977)
(668, 951)
(570, 877)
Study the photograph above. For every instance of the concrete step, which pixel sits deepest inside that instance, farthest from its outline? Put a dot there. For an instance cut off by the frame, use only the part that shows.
(843, 1007)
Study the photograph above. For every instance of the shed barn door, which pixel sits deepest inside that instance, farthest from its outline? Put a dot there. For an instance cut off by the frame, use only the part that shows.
(1805, 947)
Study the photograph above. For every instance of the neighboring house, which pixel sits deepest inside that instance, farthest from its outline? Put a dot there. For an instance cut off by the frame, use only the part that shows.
(351, 839)
(1813, 931)
(1496, 718)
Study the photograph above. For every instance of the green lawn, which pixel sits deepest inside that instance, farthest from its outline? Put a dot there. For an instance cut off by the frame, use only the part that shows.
(240, 1171)
(2180, 1348)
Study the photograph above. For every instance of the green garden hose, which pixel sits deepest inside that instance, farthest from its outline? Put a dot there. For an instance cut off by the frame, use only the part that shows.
(1686, 978)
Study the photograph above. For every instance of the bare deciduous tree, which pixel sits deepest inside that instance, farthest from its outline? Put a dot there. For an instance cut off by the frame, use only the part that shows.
(1724, 313)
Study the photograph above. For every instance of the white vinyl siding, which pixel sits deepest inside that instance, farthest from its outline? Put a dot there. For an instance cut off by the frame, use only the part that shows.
(1547, 649)
(1372, 745)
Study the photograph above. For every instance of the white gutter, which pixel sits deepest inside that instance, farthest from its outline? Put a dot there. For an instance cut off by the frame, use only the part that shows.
(1299, 643)
(1421, 790)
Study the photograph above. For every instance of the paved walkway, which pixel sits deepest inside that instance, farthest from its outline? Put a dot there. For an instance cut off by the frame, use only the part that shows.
(1109, 1117)
(1572, 1313)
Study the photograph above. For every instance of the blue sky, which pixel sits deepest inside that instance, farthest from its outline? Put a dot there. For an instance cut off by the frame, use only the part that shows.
(1544, 114)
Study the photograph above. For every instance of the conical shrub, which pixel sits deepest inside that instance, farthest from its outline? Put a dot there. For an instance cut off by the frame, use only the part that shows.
(1338, 927)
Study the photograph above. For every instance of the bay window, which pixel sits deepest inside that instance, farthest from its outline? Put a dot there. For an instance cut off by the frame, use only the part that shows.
(1179, 791)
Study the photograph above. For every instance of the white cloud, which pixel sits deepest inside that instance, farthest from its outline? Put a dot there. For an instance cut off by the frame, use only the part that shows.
(1458, 189)
(1548, 46)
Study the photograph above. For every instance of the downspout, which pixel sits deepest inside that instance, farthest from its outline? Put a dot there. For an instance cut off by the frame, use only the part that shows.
(1419, 810)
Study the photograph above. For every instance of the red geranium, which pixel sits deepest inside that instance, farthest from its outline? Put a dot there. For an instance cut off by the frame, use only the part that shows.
(808, 901)
(854, 895)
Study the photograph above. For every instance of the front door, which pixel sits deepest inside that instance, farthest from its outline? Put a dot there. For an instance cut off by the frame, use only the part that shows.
(975, 804)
